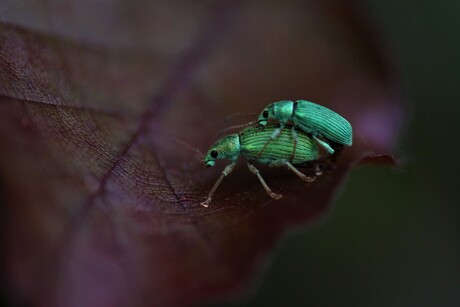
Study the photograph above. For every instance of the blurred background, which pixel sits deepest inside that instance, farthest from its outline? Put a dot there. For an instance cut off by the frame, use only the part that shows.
(393, 238)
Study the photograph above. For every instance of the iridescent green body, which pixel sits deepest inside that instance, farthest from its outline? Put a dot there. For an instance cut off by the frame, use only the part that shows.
(252, 140)
(311, 118)
(249, 143)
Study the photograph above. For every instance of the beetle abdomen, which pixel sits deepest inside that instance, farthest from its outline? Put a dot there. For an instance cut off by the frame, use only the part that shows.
(318, 120)
(253, 139)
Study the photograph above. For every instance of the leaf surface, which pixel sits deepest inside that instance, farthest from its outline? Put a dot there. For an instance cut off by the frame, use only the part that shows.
(101, 204)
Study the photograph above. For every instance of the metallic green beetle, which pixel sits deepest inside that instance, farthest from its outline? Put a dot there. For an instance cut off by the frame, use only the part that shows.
(250, 141)
(311, 118)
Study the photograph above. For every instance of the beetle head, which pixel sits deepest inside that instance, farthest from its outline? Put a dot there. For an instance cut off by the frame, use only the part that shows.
(226, 148)
(265, 115)
(282, 111)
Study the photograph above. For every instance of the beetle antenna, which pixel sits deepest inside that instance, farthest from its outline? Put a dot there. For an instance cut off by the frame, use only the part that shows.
(228, 117)
(234, 127)
(189, 147)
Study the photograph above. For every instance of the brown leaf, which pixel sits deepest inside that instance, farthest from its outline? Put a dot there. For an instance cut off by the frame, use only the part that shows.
(102, 206)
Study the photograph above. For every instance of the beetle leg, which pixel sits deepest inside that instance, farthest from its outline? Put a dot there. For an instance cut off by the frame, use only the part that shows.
(255, 171)
(275, 134)
(324, 145)
(282, 162)
(318, 170)
(294, 141)
(299, 173)
(227, 170)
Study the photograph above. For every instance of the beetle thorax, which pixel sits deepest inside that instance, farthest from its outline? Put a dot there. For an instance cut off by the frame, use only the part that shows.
(230, 147)
(283, 110)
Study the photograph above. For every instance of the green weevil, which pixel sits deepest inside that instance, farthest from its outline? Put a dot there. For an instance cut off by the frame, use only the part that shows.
(248, 144)
(311, 118)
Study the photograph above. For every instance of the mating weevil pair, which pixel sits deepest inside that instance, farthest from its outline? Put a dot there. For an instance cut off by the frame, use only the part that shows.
(313, 124)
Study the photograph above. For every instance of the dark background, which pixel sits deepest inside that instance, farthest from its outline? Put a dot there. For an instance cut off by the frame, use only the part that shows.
(393, 238)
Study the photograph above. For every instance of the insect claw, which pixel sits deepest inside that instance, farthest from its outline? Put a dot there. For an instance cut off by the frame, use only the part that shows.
(276, 196)
(205, 203)
(309, 179)
(318, 170)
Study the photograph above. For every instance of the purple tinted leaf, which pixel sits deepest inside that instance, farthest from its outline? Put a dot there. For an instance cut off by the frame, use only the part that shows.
(102, 205)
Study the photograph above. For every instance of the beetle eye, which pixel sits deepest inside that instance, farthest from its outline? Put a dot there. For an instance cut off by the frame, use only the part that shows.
(214, 154)
(265, 114)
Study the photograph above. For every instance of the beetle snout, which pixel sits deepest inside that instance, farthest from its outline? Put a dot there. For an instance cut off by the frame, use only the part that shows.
(209, 163)
(262, 122)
